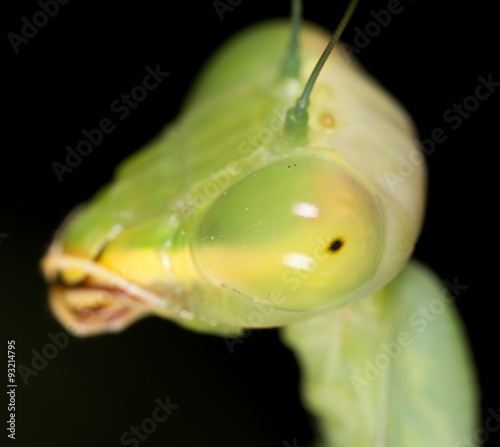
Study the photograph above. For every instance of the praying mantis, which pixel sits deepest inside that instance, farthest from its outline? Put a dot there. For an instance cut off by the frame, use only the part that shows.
(271, 202)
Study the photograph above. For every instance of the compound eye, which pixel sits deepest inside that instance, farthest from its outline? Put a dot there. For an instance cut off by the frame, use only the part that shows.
(301, 231)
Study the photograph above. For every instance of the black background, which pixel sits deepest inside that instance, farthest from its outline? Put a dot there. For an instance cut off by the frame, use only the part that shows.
(65, 79)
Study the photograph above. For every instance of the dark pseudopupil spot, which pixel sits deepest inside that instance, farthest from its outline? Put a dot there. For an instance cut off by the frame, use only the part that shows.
(336, 245)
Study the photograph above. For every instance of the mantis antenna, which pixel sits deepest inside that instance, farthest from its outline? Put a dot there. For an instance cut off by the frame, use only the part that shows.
(297, 117)
(291, 63)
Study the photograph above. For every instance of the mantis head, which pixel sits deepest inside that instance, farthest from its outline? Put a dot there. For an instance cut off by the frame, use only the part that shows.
(295, 231)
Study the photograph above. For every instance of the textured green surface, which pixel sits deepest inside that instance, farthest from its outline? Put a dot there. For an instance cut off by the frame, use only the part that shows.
(392, 370)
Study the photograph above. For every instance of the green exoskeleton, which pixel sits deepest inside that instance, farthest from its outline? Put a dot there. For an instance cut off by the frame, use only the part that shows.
(269, 203)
